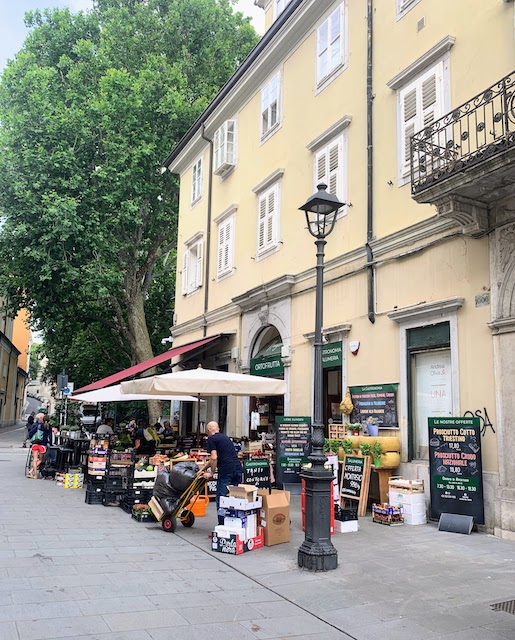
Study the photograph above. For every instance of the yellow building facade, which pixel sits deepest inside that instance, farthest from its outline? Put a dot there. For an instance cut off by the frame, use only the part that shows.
(334, 93)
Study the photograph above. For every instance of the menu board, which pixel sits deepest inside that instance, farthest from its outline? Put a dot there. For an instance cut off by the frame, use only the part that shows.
(211, 484)
(257, 472)
(455, 467)
(376, 400)
(355, 480)
(293, 445)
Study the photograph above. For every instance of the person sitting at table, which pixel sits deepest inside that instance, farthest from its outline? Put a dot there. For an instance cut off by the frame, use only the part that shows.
(168, 433)
(106, 428)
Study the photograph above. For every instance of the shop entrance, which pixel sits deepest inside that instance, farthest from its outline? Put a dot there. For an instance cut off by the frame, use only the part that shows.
(332, 380)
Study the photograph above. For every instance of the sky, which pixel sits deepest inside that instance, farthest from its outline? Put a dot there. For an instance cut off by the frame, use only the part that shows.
(13, 31)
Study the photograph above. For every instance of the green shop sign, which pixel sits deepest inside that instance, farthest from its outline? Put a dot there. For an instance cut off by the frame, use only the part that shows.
(266, 366)
(332, 355)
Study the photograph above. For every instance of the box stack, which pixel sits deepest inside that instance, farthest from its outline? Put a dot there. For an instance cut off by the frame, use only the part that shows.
(97, 462)
(139, 488)
(74, 479)
(239, 532)
(117, 469)
(409, 494)
(274, 516)
(386, 514)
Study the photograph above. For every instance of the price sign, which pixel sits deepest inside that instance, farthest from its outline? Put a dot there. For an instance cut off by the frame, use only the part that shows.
(257, 472)
(355, 480)
(212, 484)
(455, 467)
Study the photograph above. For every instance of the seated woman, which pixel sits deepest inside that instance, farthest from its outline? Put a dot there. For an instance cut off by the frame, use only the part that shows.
(40, 444)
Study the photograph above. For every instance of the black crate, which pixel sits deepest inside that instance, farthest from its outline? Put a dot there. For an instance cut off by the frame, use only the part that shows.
(126, 506)
(140, 494)
(114, 482)
(144, 517)
(95, 480)
(97, 489)
(111, 500)
(94, 498)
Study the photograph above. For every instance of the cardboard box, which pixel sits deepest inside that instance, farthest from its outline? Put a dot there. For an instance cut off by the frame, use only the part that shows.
(387, 514)
(275, 516)
(346, 526)
(233, 544)
(230, 502)
(246, 492)
(248, 523)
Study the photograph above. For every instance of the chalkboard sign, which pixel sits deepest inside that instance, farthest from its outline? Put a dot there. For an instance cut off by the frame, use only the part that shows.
(355, 480)
(257, 472)
(376, 400)
(455, 467)
(293, 445)
(211, 485)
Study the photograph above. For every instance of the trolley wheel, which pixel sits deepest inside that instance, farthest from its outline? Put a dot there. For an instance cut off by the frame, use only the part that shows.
(187, 518)
(169, 524)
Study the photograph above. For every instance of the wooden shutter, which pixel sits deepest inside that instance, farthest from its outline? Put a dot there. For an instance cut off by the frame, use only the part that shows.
(270, 217)
(262, 209)
(185, 260)
(199, 265)
(409, 118)
(329, 168)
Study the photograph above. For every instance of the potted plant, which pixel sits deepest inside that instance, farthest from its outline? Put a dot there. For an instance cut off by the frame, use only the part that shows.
(356, 429)
(365, 448)
(347, 446)
(377, 452)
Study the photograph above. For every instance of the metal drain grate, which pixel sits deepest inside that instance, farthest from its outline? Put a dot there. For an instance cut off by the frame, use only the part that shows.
(508, 606)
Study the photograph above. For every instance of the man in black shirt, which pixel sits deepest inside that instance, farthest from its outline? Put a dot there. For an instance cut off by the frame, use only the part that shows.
(224, 457)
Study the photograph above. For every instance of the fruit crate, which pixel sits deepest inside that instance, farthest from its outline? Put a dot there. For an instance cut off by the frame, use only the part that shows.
(142, 515)
(94, 498)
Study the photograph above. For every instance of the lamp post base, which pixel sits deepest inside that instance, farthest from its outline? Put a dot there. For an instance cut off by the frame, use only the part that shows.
(317, 552)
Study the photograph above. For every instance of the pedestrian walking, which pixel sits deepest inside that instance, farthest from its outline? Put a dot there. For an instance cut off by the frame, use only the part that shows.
(223, 457)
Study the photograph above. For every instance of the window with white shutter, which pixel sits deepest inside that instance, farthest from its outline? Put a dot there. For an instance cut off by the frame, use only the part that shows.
(331, 45)
(420, 104)
(268, 219)
(403, 6)
(330, 169)
(197, 180)
(225, 147)
(271, 104)
(225, 263)
(192, 268)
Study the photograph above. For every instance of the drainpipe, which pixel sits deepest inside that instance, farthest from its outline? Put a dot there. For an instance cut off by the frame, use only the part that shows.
(208, 231)
(370, 166)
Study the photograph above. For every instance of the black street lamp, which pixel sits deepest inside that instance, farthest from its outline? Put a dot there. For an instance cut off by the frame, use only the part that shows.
(317, 552)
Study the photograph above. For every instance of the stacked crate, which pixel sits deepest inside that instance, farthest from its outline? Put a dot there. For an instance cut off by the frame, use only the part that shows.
(139, 490)
(116, 478)
(97, 463)
(409, 494)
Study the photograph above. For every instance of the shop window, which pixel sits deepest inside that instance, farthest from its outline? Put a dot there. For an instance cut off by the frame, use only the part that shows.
(430, 382)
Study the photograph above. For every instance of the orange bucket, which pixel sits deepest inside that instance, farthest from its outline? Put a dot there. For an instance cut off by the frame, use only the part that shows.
(198, 507)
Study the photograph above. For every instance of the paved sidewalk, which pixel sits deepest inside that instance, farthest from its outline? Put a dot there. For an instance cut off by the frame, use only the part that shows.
(71, 570)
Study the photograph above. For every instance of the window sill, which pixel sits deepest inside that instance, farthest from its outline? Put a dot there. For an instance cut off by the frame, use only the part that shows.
(195, 202)
(225, 274)
(270, 133)
(191, 293)
(267, 252)
(327, 80)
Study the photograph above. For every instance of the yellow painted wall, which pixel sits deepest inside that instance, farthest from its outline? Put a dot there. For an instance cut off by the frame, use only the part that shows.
(21, 338)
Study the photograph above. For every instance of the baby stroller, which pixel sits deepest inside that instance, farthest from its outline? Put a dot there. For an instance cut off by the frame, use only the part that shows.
(174, 490)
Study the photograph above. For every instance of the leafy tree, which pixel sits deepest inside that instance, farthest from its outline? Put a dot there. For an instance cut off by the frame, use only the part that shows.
(89, 108)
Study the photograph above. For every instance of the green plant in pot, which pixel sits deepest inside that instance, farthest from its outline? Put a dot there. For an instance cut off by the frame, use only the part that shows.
(356, 429)
(377, 452)
(347, 446)
(365, 448)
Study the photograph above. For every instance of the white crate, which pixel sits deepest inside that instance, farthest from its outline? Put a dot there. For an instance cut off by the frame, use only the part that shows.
(412, 519)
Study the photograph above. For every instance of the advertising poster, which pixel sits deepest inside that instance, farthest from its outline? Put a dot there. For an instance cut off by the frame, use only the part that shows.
(293, 444)
(455, 467)
(376, 400)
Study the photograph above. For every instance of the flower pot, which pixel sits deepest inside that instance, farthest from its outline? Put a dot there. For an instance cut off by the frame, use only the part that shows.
(373, 429)
(377, 463)
(355, 432)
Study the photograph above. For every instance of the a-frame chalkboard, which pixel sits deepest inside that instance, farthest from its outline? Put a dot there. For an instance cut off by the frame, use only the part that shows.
(355, 480)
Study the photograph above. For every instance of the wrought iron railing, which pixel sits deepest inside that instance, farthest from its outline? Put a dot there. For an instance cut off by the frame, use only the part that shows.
(477, 130)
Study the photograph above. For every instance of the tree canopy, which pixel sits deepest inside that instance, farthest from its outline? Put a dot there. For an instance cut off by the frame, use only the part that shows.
(89, 108)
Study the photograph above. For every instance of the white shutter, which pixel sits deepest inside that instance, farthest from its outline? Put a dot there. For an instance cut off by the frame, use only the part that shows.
(199, 265)
(321, 167)
(221, 242)
(185, 260)
(335, 160)
(270, 217)
(262, 209)
(409, 121)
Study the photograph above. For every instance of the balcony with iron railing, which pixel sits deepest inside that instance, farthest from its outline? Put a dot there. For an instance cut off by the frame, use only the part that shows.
(469, 153)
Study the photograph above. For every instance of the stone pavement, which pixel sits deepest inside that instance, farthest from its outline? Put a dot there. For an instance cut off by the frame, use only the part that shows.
(71, 570)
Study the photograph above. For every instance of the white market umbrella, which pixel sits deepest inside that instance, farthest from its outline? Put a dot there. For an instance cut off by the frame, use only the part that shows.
(114, 394)
(205, 382)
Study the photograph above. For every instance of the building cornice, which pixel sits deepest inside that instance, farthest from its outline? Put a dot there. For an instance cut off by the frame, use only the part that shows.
(265, 293)
(415, 68)
(225, 214)
(329, 134)
(506, 325)
(336, 329)
(268, 181)
(425, 310)
(213, 317)
(194, 238)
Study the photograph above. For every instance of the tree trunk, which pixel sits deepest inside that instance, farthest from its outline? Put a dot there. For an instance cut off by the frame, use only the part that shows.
(140, 345)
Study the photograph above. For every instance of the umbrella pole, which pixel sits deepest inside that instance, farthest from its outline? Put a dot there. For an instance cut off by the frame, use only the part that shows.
(198, 420)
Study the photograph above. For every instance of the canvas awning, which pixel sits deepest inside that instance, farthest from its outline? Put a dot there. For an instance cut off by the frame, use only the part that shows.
(114, 394)
(147, 364)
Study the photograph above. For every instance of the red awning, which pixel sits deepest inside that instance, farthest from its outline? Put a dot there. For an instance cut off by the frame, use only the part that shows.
(143, 366)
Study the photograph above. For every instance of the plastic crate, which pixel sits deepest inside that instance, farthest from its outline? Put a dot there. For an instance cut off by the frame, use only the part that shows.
(93, 498)
(198, 508)
(125, 506)
(143, 517)
(114, 482)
